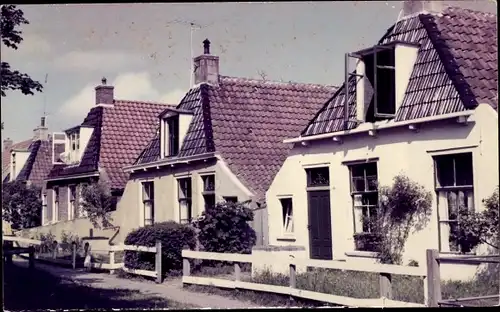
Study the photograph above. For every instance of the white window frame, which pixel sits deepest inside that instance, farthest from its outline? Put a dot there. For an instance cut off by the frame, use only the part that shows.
(358, 207)
(287, 219)
(187, 199)
(204, 192)
(150, 199)
(55, 206)
(44, 208)
(443, 195)
(74, 140)
(72, 208)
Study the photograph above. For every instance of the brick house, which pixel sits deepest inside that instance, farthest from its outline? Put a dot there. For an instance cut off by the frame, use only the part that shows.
(222, 142)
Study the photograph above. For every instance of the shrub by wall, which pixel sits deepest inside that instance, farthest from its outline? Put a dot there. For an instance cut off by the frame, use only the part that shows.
(226, 228)
(174, 238)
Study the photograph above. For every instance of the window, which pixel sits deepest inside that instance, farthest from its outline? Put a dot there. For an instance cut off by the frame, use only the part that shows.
(208, 190)
(148, 198)
(287, 209)
(455, 191)
(74, 146)
(172, 137)
(185, 205)
(55, 211)
(13, 175)
(81, 212)
(44, 208)
(364, 192)
(230, 199)
(380, 72)
(72, 206)
(318, 177)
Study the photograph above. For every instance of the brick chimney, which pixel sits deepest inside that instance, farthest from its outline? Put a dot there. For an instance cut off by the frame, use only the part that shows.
(104, 94)
(415, 7)
(41, 132)
(7, 144)
(206, 66)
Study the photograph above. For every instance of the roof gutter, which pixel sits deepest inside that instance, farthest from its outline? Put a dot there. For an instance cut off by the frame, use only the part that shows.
(169, 162)
(75, 176)
(370, 127)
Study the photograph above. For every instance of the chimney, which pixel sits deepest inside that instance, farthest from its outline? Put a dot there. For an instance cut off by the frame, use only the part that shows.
(415, 7)
(104, 94)
(41, 132)
(7, 144)
(206, 66)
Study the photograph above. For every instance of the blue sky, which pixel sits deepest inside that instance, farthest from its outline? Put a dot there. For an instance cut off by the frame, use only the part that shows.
(144, 49)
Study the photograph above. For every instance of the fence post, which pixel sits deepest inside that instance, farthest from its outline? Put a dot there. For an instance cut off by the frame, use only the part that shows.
(112, 261)
(186, 267)
(293, 276)
(433, 278)
(31, 257)
(385, 280)
(8, 245)
(158, 262)
(237, 272)
(73, 255)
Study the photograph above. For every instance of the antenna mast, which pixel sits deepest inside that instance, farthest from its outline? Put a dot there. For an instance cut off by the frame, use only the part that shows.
(45, 97)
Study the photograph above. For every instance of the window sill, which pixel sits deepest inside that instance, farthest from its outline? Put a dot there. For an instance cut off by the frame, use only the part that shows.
(362, 254)
(286, 238)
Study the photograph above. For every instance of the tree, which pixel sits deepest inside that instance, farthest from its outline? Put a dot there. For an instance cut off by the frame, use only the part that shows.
(475, 228)
(98, 203)
(21, 205)
(11, 19)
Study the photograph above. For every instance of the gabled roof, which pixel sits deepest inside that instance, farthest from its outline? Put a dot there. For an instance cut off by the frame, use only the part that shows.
(38, 164)
(245, 121)
(120, 133)
(22, 145)
(456, 69)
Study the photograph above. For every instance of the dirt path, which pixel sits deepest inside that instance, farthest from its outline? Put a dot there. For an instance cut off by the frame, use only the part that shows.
(170, 290)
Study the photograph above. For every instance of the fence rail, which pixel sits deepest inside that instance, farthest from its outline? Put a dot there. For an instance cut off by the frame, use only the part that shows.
(384, 270)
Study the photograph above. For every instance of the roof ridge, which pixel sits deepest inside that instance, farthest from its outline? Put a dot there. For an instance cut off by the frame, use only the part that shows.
(143, 102)
(261, 81)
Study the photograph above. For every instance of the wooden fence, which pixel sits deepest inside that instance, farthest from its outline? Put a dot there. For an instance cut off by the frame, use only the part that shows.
(9, 249)
(434, 261)
(385, 272)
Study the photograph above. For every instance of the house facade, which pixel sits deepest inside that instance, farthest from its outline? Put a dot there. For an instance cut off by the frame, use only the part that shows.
(111, 135)
(222, 142)
(426, 106)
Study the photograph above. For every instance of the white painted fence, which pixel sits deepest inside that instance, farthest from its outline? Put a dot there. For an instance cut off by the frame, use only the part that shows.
(384, 270)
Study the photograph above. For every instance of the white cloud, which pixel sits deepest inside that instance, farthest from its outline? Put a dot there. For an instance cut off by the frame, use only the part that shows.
(96, 60)
(32, 44)
(128, 86)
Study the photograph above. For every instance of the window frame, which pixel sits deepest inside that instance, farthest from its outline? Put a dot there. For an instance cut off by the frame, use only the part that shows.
(185, 195)
(171, 136)
(287, 218)
(55, 199)
(72, 201)
(359, 201)
(443, 192)
(208, 193)
(147, 189)
(44, 208)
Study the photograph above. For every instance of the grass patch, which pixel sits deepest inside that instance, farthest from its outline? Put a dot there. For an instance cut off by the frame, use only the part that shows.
(46, 291)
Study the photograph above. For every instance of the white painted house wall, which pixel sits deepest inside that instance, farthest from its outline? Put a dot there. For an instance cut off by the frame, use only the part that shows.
(398, 150)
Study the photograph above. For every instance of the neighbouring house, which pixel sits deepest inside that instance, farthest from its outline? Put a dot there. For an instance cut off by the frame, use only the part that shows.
(8, 147)
(111, 136)
(422, 101)
(223, 142)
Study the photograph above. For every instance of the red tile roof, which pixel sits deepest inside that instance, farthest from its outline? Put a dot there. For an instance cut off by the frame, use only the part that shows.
(456, 69)
(246, 121)
(120, 133)
(38, 164)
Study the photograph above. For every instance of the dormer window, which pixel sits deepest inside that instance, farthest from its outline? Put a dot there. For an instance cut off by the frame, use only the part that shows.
(73, 138)
(174, 124)
(381, 78)
(172, 137)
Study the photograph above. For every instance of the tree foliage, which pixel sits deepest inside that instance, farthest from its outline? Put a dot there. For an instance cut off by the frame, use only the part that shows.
(98, 203)
(11, 19)
(475, 228)
(403, 206)
(21, 205)
(225, 228)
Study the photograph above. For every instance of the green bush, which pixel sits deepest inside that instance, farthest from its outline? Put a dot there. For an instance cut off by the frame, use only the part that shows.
(21, 205)
(225, 228)
(173, 236)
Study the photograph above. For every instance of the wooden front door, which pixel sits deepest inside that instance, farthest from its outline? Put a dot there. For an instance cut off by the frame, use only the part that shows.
(320, 229)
